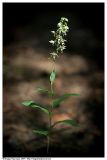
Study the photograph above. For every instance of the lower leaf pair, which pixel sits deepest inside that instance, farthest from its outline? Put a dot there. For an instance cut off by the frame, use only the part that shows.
(71, 122)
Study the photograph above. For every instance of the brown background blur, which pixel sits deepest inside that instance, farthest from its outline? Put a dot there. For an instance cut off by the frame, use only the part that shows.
(26, 48)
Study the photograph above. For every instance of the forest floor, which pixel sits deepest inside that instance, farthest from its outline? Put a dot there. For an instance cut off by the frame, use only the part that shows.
(26, 68)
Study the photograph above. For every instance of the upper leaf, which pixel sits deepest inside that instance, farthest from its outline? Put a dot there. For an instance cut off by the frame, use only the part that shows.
(52, 76)
(45, 133)
(42, 90)
(35, 105)
(62, 98)
(67, 121)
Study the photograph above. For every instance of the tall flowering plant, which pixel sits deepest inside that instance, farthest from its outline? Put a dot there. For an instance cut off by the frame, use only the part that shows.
(58, 43)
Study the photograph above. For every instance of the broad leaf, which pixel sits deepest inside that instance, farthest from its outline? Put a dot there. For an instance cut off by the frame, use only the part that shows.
(67, 121)
(45, 133)
(62, 98)
(52, 76)
(35, 105)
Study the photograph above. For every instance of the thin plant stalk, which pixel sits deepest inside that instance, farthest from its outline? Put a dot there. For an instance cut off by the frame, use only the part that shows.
(48, 143)
(50, 116)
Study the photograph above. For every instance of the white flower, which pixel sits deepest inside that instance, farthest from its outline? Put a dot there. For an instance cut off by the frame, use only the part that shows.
(59, 42)
(54, 55)
(53, 32)
(59, 24)
(52, 42)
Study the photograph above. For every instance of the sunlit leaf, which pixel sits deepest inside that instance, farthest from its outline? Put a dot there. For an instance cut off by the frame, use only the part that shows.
(28, 103)
(35, 105)
(58, 101)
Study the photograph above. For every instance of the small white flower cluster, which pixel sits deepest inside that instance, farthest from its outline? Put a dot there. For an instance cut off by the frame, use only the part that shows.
(59, 41)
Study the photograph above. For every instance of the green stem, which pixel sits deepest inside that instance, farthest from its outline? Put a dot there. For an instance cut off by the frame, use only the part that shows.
(50, 119)
(48, 144)
(48, 137)
(52, 88)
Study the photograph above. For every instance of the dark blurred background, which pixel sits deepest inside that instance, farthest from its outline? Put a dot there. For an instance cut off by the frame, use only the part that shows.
(26, 48)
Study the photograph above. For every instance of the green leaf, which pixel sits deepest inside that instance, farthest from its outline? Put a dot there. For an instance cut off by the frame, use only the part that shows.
(42, 90)
(45, 133)
(62, 98)
(28, 103)
(67, 121)
(35, 105)
(52, 76)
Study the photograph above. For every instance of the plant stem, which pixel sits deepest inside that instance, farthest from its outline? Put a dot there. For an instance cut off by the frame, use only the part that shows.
(50, 123)
(52, 88)
(50, 118)
(48, 144)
